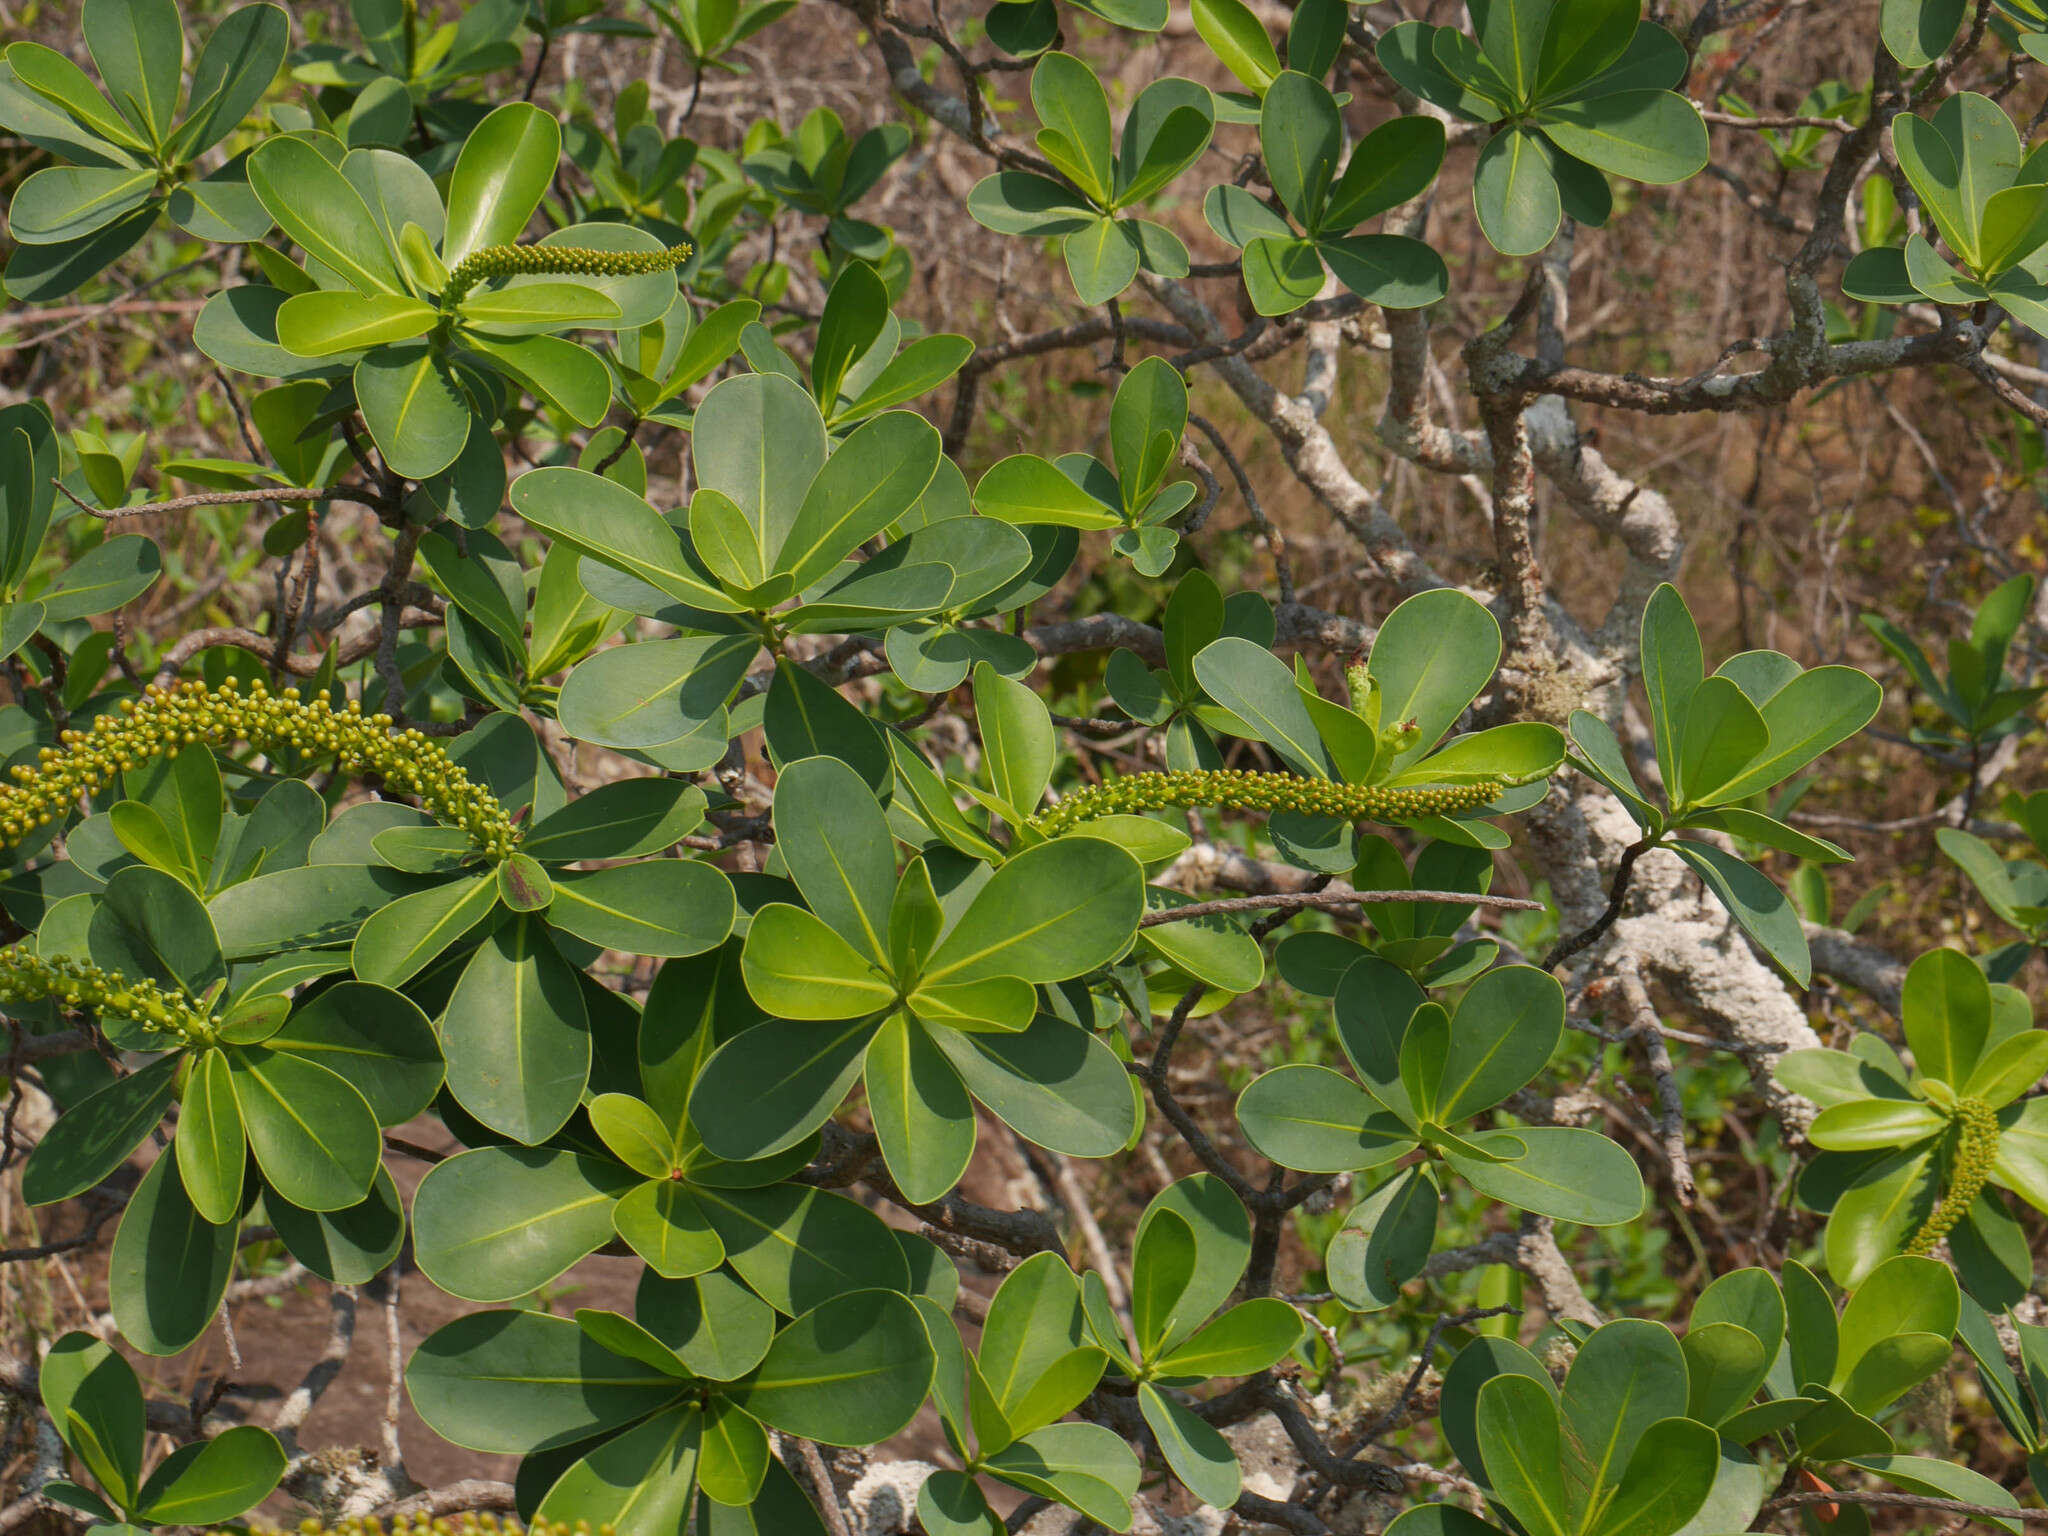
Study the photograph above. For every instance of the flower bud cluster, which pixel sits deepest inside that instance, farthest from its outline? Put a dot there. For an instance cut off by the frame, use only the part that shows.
(1234, 789)
(165, 720)
(495, 261)
(1976, 1151)
(26, 977)
(469, 1523)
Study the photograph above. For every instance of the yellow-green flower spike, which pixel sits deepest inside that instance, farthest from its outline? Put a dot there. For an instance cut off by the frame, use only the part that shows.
(1234, 789)
(26, 977)
(495, 261)
(165, 720)
(469, 1523)
(1976, 1150)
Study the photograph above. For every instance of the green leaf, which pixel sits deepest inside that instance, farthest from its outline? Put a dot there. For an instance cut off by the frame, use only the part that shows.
(1300, 134)
(1389, 270)
(1250, 1337)
(214, 1480)
(1027, 489)
(234, 69)
(873, 479)
(1514, 193)
(1723, 733)
(950, 1504)
(403, 937)
(639, 1483)
(348, 1247)
(1432, 656)
(1258, 689)
(1407, 52)
(1199, 1456)
(1902, 1296)
(374, 1038)
(1753, 901)
(1238, 38)
(502, 173)
(516, 1033)
(1102, 259)
(1937, 176)
(149, 924)
(1667, 1480)
(1518, 1424)
(1868, 1125)
(1725, 1364)
(1385, 1241)
(1317, 1121)
(850, 1372)
(1391, 165)
(1053, 1083)
(1561, 1172)
(139, 46)
(1656, 137)
(797, 1247)
(760, 440)
(1879, 276)
(1943, 1480)
(102, 579)
(923, 1117)
(625, 819)
(69, 202)
(716, 1326)
(314, 1136)
(1886, 1202)
(96, 1136)
(835, 840)
(1506, 1027)
(212, 1146)
(1054, 911)
(805, 716)
(413, 406)
(95, 1403)
(796, 967)
(58, 89)
(1020, 203)
(1017, 739)
(668, 907)
(566, 375)
(1946, 1007)
(522, 1381)
(500, 1222)
(1673, 668)
(856, 309)
(664, 1223)
(752, 1100)
(324, 323)
(169, 1267)
(1071, 103)
(1627, 1375)
(609, 523)
(654, 692)
(320, 209)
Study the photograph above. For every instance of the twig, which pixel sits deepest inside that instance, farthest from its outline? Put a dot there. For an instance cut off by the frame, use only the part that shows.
(360, 495)
(1333, 900)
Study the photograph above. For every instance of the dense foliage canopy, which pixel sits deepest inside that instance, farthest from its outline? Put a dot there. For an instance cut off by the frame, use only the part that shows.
(806, 927)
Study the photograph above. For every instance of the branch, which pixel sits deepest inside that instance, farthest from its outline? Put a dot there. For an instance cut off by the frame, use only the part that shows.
(1333, 900)
(360, 495)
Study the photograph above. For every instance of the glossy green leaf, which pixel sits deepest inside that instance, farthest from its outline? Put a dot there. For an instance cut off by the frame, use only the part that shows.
(169, 1267)
(868, 1346)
